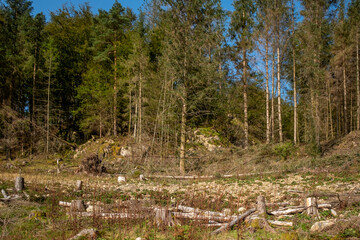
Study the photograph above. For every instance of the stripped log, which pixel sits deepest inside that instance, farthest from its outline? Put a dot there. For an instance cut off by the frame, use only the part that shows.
(64, 204)
(110, 215)
(203, 217)
(196, 210)
(233, 222)
(288, 211)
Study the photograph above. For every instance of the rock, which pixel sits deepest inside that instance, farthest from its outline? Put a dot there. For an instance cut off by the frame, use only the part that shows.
(139, 238)
(125, 152)
(241, 209)
(322, 225)
(121, 179)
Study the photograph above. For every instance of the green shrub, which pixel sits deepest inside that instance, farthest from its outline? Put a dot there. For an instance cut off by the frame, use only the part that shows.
(284, 150)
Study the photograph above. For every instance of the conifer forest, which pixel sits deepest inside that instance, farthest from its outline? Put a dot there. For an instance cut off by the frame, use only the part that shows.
(177, 89)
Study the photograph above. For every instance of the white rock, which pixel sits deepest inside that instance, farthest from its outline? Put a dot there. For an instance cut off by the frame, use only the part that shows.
(125, 152)
(139, 238)
(121, 179)
(241, 209)
(322, 225)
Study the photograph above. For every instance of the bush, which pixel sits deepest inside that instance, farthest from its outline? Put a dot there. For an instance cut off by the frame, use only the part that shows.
(284, 150)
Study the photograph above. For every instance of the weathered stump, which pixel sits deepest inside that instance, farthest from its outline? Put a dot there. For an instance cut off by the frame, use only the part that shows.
(19, 183)
(79, 185)
(311, 206)
(77, 206)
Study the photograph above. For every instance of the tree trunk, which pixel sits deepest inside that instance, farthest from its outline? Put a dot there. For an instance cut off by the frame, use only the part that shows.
(345, 96)
(115, 91)
(294, 77)
(100, 125)
(267, 91)
(48, 108)
(140, 105)
(246, 124)
(357, 81)
(19, 183)
(183, 136)
(279, 91)
(273, 99)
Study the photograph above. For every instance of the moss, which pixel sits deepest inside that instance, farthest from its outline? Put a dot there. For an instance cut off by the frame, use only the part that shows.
(289, 236)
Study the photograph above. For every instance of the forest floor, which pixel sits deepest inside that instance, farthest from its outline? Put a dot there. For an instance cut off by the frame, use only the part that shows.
(38, 215)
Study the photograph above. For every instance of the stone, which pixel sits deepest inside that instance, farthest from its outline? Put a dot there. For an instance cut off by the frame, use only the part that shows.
(322, 225)
(121, 179)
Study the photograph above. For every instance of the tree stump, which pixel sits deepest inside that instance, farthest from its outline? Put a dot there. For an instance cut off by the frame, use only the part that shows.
(79, 185)
(311, 206)
(19, 183)
(77, 206)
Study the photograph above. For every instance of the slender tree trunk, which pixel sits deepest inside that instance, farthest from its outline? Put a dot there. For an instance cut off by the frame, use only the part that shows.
(33, 117)
(267, 91)
(273, 99)
(115, 91)
(130, 110)
(100, 125)
(357, 81)
(48, 109)
(183, 136)
(279, 93)
(345, 97)
(140, 106)
(246, 124)
(294, 77)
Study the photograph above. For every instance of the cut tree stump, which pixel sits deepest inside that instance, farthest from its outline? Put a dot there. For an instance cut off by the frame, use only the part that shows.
(311, 206)
(77, 206)
(79, 185)
(261, 209)
(19, 183)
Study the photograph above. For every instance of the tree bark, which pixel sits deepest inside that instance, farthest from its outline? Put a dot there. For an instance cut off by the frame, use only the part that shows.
(140, 105)
(19, 183)
(345, 96)
(357, 80)
(294, 76)
(115, 91)
(246, 124)
(279, 91)
(183, 136)
(267, 90)
(48, 108)
(273, 99)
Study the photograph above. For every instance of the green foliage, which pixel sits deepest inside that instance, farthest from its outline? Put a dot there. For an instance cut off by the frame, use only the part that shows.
(284, 150)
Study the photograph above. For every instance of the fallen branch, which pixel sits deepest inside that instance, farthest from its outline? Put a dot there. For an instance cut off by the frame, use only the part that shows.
(200, 216)
(199, 211)
(233, 222)
(86, 232)
(109, 215)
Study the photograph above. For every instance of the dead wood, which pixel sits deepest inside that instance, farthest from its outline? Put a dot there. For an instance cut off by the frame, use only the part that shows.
(202, 217)
(311, 206)
(261, 210)
(233, 222)
(196, 210)
(90, 233)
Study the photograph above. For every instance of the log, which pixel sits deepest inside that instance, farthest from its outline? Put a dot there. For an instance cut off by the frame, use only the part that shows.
(111, 215)
(280, 223)
(79, 185)
(64, 204)
(90, 233)
(288, 211)
(202, 217)
(311, 206)
(19, 183)
(196, 210)
(233, 222)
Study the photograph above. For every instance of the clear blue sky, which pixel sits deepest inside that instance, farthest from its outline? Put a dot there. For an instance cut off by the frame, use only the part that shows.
(47, 6)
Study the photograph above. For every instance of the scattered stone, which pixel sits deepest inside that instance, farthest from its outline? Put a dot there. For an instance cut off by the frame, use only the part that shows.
(322, 225)
(121, 179)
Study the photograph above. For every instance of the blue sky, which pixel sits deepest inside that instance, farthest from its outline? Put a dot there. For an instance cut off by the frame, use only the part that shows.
(47, 6)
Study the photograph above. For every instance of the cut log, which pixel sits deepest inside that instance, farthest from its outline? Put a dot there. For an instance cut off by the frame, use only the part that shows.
(90, 233)
(233, 222)
(19, 183)
(79, 185)
(288, 211)
(203, 217)
(65, 204)
(196, 210)
(111, 215)
(311, 206)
